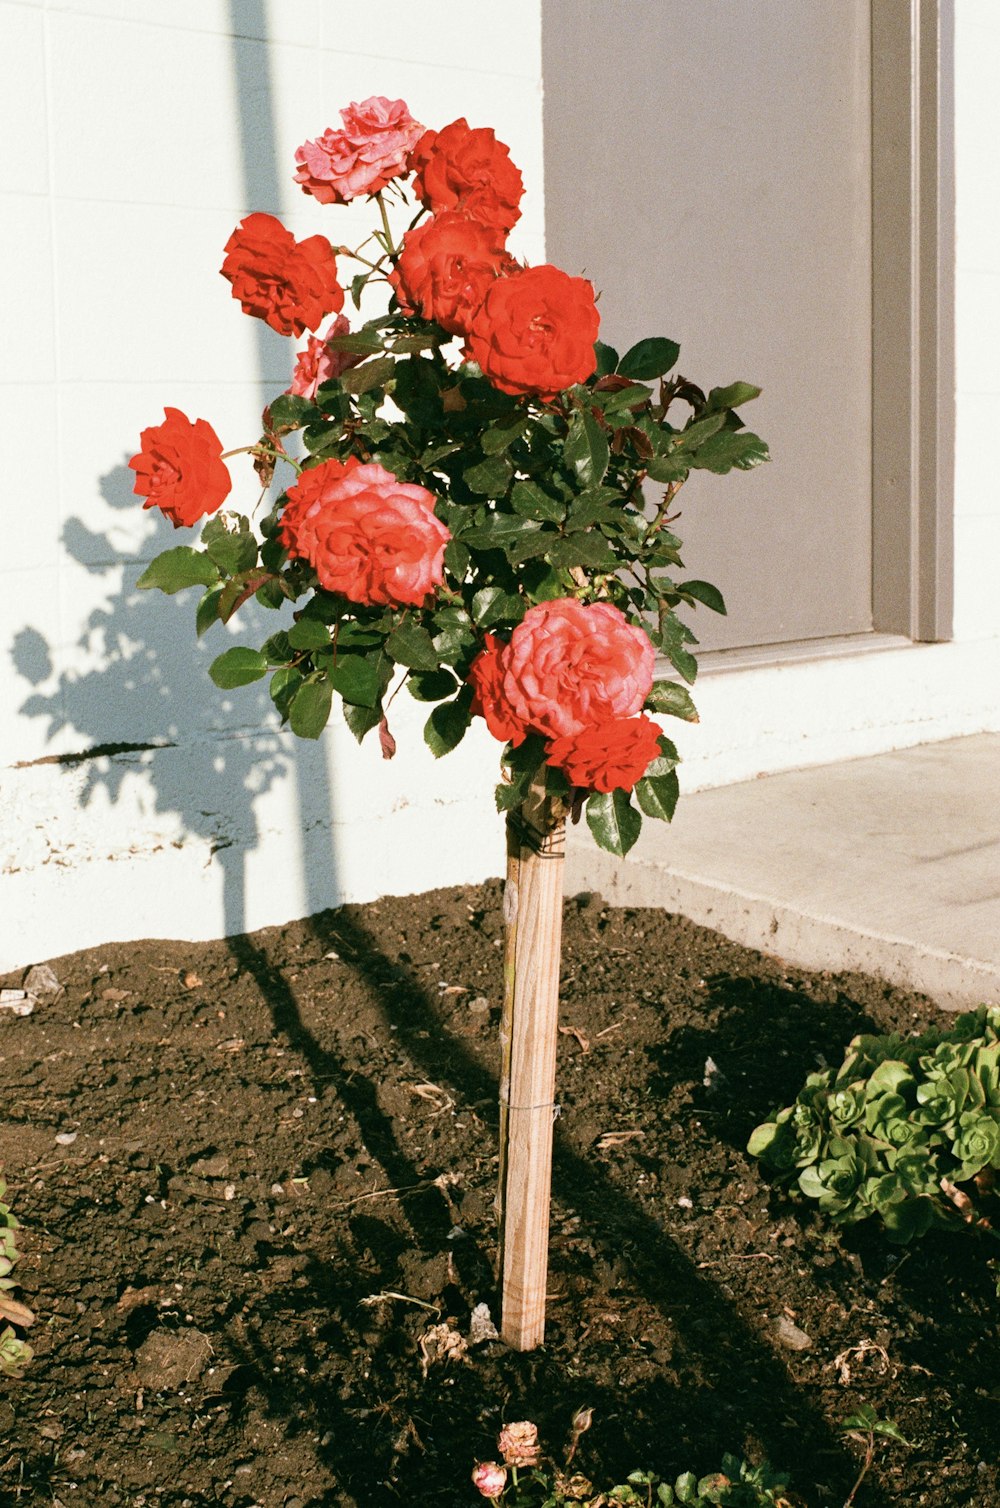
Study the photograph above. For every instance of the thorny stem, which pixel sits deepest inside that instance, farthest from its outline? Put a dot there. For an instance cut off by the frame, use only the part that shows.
(261, 450)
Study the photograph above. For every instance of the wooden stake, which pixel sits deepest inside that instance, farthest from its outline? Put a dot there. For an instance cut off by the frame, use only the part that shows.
(528, 1038)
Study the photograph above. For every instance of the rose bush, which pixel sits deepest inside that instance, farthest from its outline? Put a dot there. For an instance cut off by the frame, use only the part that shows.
(485, 521)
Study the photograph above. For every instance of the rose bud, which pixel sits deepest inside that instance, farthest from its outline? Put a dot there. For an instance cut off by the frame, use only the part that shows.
(490, 1478)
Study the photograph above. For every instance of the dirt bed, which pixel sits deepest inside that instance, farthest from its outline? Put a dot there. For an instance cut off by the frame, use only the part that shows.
(275, 1174)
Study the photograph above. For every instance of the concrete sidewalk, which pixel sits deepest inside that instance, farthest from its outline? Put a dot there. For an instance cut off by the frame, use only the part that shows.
(889, 865)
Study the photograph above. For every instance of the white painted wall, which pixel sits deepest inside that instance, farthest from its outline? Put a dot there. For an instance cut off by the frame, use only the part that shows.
(131, 150)
(136, 134)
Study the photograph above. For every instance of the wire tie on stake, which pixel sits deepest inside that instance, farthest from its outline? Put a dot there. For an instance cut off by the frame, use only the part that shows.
(549, 845)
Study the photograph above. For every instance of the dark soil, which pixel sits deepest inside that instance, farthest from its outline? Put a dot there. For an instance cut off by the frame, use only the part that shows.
(283, 1173)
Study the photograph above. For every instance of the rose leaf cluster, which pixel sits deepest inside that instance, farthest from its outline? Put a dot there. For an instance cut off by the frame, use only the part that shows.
(480, 503)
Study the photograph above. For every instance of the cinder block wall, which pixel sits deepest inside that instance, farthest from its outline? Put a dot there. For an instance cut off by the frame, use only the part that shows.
(136, 134)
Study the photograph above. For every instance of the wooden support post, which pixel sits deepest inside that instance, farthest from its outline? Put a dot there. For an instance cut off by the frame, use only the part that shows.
(528, 1038)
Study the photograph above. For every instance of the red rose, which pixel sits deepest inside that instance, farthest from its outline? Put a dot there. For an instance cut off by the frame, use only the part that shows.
(571, 666)
(320, 363)
(446, 266)
(534, 332)
(366, 534)
(467, 170)
(488, 699)
(180, 468)
(373, 147)
(289, 284)
(609, 757)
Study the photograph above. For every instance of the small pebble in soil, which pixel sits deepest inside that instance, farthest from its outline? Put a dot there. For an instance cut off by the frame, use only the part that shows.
(790, 1335)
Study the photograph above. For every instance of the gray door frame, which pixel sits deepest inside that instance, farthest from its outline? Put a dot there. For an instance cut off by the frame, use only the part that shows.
(913, 317)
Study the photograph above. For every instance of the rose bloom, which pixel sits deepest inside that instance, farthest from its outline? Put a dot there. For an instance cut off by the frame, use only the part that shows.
(518, 1443)
(180, 469)
(445, 267)
(468, 170)
(367, 535)
(534, 332)
(608, 757)
(373, 148)
(289, 284)
(320, 363)
(488, 699)
(490, 1477)
(571, 665)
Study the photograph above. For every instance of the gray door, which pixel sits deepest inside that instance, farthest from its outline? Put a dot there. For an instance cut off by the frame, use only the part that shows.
(708, 166)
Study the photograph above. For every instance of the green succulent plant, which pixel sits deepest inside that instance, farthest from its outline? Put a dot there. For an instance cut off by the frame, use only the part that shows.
(906, 1130)
(15, 1353)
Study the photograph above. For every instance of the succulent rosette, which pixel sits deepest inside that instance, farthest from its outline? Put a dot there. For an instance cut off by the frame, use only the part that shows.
(471, 496)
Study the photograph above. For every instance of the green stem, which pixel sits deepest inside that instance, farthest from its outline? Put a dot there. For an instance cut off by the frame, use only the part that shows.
(261, 450)
(386, 227)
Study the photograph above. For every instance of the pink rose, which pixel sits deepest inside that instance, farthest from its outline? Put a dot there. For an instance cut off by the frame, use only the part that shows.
(320, 363)
(373, 148)
(367, 535)
(571, 665)
(490, 1478)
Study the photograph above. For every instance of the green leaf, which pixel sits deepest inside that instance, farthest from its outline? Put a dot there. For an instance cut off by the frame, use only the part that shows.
(500, 438)
(657, 795)
(369, 375)
(583, 549)
(649, 358)
(237, 667)
(586, 449)
(417, 390)
(309, 710)
(686, 1487)
(309, 633)
(733, 396)
(671, 468)
(531, 544)
(494, 605)
(613, 821)
(532, 501)
(699, 431)
(730, 448)
(357, 679)
(624, 398)
(674, 700)
(177, 568)
(357, 342)
(412, 646)
(704, 592)
(234, 553)
(446, 726)
(489, 478)
(277, 650)
(288, 411)
(607, 358)
(497, 531)
(431, 685)
(361, 720)
(284, 683)
(208, 610)
(598, 505)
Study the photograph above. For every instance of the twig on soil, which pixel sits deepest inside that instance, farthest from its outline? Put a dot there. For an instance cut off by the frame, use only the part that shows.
(746, 1256)
(405, 1298)
(443, 1182)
